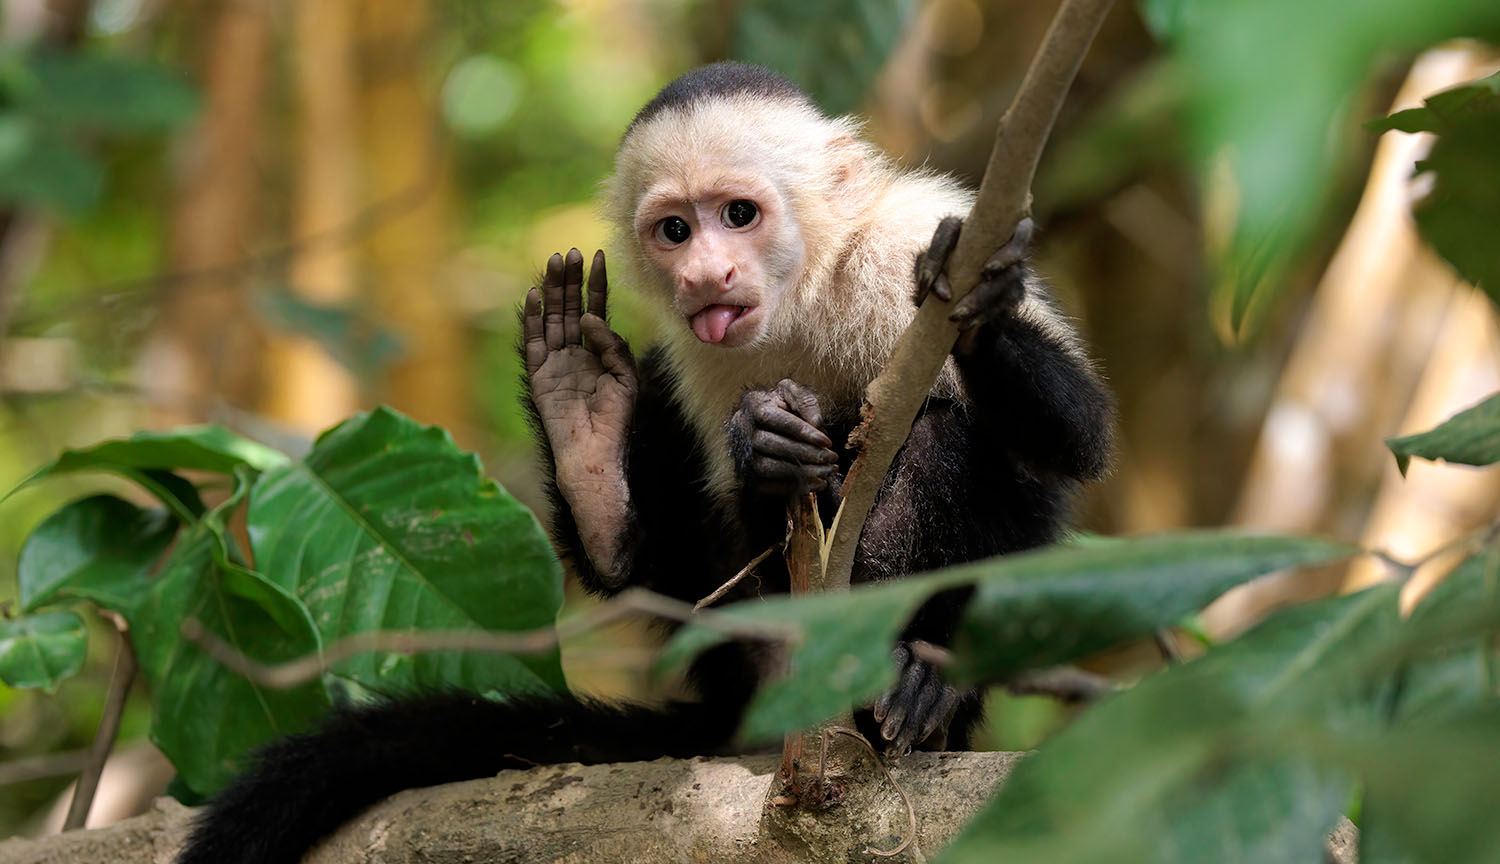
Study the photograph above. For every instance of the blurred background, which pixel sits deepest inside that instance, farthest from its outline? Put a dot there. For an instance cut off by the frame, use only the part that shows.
(270, 214)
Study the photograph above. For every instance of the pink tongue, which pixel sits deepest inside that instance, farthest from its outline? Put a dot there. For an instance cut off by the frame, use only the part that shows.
(710, 323)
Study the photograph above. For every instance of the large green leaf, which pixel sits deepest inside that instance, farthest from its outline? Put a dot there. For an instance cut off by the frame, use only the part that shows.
(1471, 437)
(1268, 81)
(1159, 774)
(194, 448)
(41, 650)
(207, 718)
(833, 49)
(387, 525)
(1045, 609)
(100, 549)
(1033, 609)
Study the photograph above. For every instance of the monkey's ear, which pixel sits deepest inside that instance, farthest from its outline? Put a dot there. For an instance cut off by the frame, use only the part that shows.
(850, 173)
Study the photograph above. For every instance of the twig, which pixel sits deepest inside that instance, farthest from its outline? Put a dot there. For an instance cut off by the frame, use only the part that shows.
(279, 676)
(104, 739)
(1067, 684)
(736, 578)
(1480, 536)
(1168, 648)
(43, 765)
(911, 812)
(893, 398)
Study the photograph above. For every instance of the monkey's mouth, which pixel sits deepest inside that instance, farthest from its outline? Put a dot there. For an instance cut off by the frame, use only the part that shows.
(711, 323)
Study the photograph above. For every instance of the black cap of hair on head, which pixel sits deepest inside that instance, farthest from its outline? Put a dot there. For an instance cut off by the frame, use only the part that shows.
(724, 79)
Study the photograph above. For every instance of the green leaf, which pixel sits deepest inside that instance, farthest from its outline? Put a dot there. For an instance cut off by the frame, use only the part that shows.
(834, 49)
(1428, 794)
(100, 549)
(1032, 609)
(1039, 610)
(387, 525)
(1471, 437)
(1163, 772)
(206, 717)
(1460, 214)
(39, 167)
(1269, 82)
(195, 448)
(41, 650)
(107, 93)
(1447, 110)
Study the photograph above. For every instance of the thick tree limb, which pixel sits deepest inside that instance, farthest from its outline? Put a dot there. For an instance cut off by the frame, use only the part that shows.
(698, 810)
(893, 398)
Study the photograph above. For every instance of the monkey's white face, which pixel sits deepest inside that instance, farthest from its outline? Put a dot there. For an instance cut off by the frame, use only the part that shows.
(728, 250)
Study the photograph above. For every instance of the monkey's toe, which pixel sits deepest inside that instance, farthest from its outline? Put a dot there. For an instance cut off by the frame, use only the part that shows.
(917, 708)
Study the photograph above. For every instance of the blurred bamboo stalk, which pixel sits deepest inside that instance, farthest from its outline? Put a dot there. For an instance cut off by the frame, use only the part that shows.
(407, 257)
(207, 346)
(1380, 313)
(307, 389)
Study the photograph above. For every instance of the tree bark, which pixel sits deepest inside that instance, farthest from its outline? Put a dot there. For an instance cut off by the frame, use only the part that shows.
(678, 810)
(692, 810)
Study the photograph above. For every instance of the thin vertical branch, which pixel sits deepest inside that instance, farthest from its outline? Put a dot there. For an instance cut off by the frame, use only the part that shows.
(104, 740)
(893, 398)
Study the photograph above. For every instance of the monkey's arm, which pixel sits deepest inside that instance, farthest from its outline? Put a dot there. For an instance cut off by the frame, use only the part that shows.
(623, 469)
(1032, 387)
(582, 396)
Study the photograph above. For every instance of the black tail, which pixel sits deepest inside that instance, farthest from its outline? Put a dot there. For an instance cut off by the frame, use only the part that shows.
(303, 787)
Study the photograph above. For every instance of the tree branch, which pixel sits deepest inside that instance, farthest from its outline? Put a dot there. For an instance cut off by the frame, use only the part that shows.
(279, 676)
(104, 739)
(893, 398)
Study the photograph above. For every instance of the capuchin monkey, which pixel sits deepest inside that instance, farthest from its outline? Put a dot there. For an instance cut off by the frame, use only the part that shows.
(783, 256)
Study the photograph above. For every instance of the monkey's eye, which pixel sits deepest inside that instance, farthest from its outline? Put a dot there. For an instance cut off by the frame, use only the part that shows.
(673, 230)
(739, 213)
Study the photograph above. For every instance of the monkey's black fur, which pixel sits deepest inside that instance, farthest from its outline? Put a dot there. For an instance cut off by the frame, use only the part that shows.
(720, 80)
(984, 477)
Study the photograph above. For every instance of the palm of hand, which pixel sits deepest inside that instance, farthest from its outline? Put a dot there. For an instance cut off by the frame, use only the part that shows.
(582, 404)
(583, 379)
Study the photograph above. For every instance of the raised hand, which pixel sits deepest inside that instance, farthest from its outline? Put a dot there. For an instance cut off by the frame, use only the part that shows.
(583, 384)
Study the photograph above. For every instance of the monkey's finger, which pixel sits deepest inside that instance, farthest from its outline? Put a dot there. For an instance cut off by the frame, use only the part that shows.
(930, 264)
(598, 285)
(533, 342)
(926, 696)
(911, 679)
(900, 655)
(778, 419)
(996, 296)
(613, 350)
(772, 467)
(1015, 249)
(801, 400)
(572, 297)
(790, 449)
(940, 713)
(552, 303)
(774, 476)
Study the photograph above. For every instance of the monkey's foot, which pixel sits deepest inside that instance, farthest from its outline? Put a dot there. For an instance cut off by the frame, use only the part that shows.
(918, 707)
(1002, 282)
